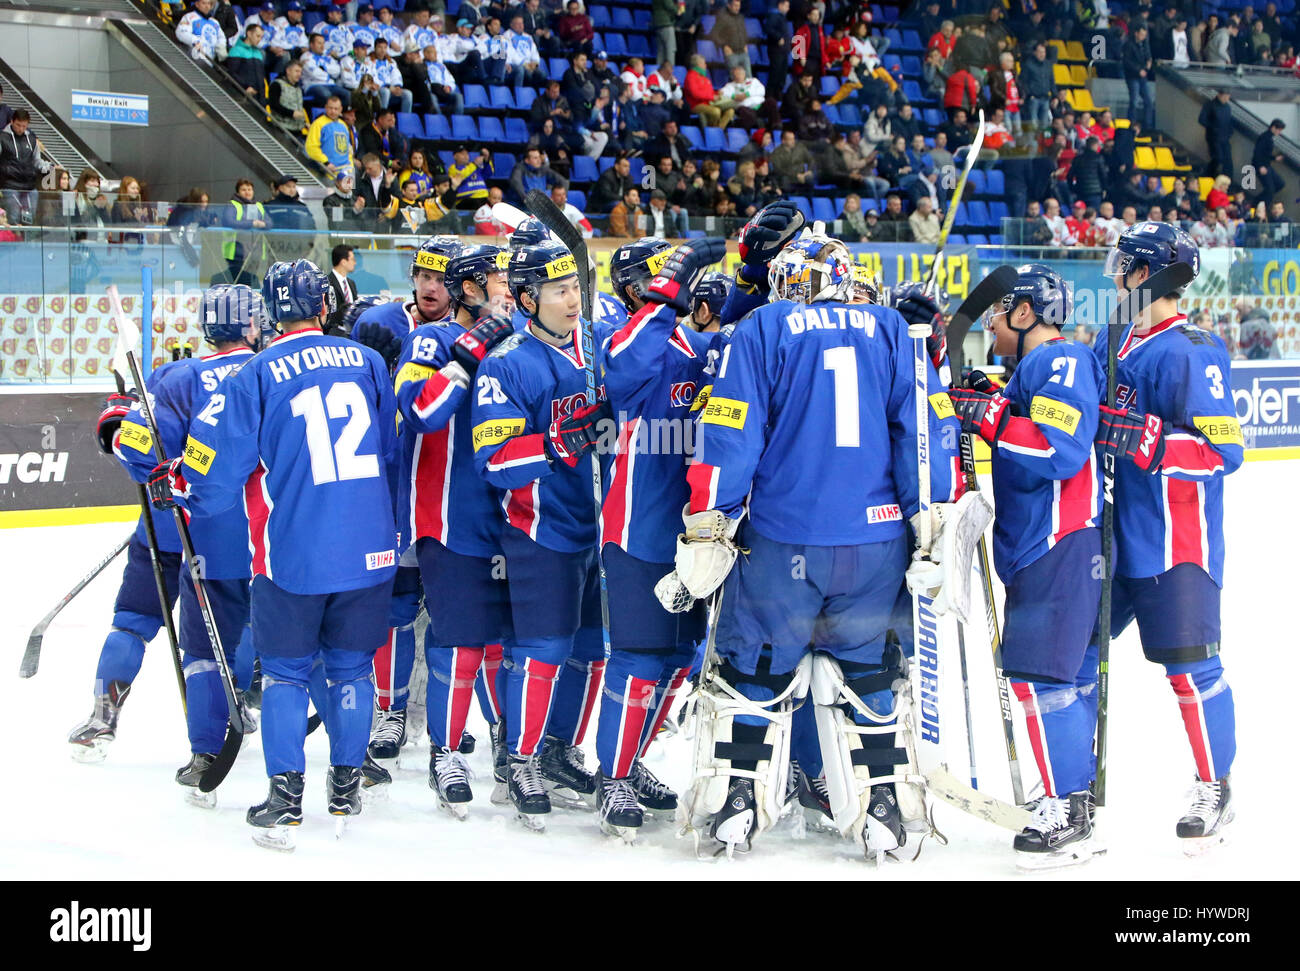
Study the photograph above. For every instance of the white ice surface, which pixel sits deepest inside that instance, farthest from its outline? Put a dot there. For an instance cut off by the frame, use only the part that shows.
(125, 818)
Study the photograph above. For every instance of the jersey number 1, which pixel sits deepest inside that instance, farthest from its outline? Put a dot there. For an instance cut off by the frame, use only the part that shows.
(842, 362)
(335, 461)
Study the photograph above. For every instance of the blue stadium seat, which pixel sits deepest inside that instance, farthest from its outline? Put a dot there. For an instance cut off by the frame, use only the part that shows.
(977, 213)
(850, 115)
(615, 45)
(462, 126)
(912, 67)
(503, 164)
(638, 46)
(693, 135)
(726, 169)
(437, 128)
(932, 117)
(621, 18)
(599, 17)
(832, 113)
(706, 23)
(516, 131)
(829, 85)
(752, 27)
(578, 199)
(997, 239)
(605, 162)
(957, 239)
(978, 185)
(714, 140)
(316, 113)
(555, 67)
(824, 209)
(709, 51)
(641, 20)
(679, 73)
(491, 130)
(803, 202)
(977, 239)
(892, 61)
(998, 211)
(695, 234)
(584, 170)
(409, 125)
(736, 139)
(476, 97)
(997, 182)
(501, 98)
(447, 157)
(912, 91)
(911, 41)
(894, 37)
(524, 98)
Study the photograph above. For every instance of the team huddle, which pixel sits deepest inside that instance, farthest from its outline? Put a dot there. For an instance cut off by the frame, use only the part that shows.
(715, 483)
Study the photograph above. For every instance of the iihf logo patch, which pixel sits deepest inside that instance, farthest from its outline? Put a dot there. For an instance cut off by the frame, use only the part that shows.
(1125, 396)
(682, 394)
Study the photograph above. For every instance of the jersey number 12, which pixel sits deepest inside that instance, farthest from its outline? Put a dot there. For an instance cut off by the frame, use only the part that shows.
(336, 461)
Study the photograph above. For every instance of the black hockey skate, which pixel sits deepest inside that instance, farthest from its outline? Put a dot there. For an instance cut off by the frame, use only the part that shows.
(883, 831)
(617, 807)
(1060, 834)
(650, 792)
(566, 776)
(1211, 810)
(500, 761)
(90, 739)
(527, 791)
(467, 743)
(734, 822)
(373, 777)
(343, 790)
(191, 774)
(388, 736)
(281, 810)
(449, 778)
(253, 693)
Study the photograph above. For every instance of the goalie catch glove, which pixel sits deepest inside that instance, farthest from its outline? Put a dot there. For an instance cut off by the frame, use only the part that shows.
(942, 573)
(706, 551)
(762, 238)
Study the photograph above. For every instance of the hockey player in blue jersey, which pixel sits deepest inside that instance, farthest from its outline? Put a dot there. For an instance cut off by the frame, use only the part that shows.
(1176, 433)
(232, 323)
(452, 515)
(304, 435)
(806, 461)
(383, 328)
(533, 435)
(137, 611)
(1047, 485)
(653, 368)
(707, 300)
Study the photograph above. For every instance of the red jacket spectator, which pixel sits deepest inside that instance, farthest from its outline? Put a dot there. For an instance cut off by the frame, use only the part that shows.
(837, 48)
(963, 90)
(1106, 134)
(813, 43)
(943, 45)
(699, 89)
(1217, 199)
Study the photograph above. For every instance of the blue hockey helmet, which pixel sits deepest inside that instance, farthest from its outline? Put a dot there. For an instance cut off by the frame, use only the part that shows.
(296, 291)
(1046, 292)
(434, 254)
(357, 308)
(476, 262)
(713, 289)
(635, 265)
(532, 266)
(531, 232)
(1154, 245)
(227, 310)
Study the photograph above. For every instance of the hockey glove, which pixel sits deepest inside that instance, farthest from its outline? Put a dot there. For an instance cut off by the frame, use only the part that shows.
(917, 308)
(682, 272)
(167, 486)
(979, 381)
(469, 349)
(110, 419)
(706, 551)
(1137, 436)
(769, 231)
(573, 436)
(942, 572)
(981, 414)
(379, 338)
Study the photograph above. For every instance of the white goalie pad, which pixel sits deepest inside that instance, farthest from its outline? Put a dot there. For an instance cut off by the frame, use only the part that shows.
(944, 575)
(715, 706)
(839, 736)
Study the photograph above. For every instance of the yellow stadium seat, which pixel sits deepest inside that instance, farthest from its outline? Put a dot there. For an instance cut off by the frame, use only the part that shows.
(1061, 75)
(1204, 185)
(1060, 48)
(1165, 160)
(1121, 122)
(1074, 51)
(1079, 75)
(1143, 139)
(1144, 158)
(1166, 184)
(1082, 101)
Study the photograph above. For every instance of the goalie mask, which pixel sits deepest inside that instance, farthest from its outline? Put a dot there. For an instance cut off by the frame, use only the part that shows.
(812, 269)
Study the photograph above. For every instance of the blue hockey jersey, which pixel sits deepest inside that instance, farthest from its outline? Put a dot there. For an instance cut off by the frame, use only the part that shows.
(398, 316)
(439, 492)
(1180, 373)
(609, 311)
(811, 427)
(183, 393)
(1046, 475)
(653, 371)
(136, 431)
(304, 434)
(521, 387)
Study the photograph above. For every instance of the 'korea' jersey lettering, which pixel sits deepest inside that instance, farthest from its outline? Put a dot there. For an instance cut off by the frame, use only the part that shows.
(313, 418)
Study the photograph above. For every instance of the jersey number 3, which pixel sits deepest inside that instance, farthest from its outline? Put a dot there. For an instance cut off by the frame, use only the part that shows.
(336, 461)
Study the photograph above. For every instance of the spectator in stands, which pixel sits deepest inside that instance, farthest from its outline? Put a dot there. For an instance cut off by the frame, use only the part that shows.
(1216, 119)
(893, 163)
(663, 20)
(918, 156)
(792, 164)
(686, 26)
(799, 97)
(924, 222)
(443, 89)
(670, 178)
(575, 216)
(816, 130)
(744, 95)
(731, 36)
(1107, 226)
(778, 34)
(523, 60)
(247, 63)
(853, 220)
(1087, 174)
(470, 177)
(352, 68)
(744, 189)
(704, 189)
(577, 84)
(934, 75)
(291, 30)
(555, 150)
(130, 209)
(927, 185)
(240, 244)
(1061, 235)
(879, 131)
(203, 35)
(625, 216)
(90, 205)
(957, 130)
(906, 123)
(1180, 45)
(365, 101)
(1218, 49)
(389, 77)
(485, 223)
(1137, 63)
(409, 215)
(382, 138)
(1037, 86)
(417, 168)
(21, 167)
(700, 96)
(944, 39)
(1218, 195)
(1062, 155)
(343, 260)
(320, 74)
(893, 227)
(633, 79)
(671, 142)
(492, 51)
(811, 40)
(1005, 88)
(1264, 159)
(939, 154)
(604, 75)
(458, 51)
(537, 25)
(415, 80)
(664, 79)
(420, 30)
(962, 94)
(612, 117)
(531, 172)
(972, 52)
(1079, 222)
(56, 207)
(574, 28)
(661, 220)
(995, 30)
(285, 210)
(344, 208)
(612, 185)
(375, 188)
(1034, 230)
